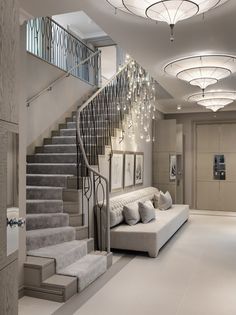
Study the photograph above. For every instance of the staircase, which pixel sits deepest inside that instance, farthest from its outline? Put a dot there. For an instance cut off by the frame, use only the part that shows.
(61, 260)
(64, 181)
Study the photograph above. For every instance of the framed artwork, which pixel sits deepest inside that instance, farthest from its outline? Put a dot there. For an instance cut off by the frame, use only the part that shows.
(172, 167)
(116, 170)
(129, 169)
(139, 159)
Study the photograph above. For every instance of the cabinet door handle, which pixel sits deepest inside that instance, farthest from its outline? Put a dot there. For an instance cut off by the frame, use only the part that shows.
(14, 222)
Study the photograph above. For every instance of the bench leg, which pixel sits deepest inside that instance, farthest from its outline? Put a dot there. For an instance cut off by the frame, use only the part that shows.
(153, 253)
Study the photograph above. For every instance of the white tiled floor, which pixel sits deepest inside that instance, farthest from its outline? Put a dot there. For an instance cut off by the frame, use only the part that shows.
(32, 306)
(194, 274)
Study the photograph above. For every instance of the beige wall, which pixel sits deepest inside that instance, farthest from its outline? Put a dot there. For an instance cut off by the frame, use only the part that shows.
(164, 146)
(188, 121)
(9, 38)
(213, 139)
(133, 145)
(51, 108)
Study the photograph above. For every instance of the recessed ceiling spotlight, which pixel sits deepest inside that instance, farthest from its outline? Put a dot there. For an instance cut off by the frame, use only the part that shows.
(203, 70)
(179, 107)
(169, 11)
(214, 100)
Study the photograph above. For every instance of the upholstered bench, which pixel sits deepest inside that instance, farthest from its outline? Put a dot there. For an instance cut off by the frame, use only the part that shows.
(149, 237)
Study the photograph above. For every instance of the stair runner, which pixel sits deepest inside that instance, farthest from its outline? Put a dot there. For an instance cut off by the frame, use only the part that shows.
(52, 202)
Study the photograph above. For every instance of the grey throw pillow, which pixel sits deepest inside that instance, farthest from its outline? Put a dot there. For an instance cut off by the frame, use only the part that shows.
(156, 200)
(147, 211)
(165, 201)
(131, 213)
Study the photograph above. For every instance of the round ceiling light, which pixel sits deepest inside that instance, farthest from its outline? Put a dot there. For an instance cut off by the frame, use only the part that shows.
(202, 71)
(214, 100)
(169, 11)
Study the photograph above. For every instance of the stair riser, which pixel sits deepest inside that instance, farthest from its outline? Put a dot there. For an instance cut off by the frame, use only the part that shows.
(99, 124)
(45, 207)
(56, 149)
(71, 195)
(76, 220)
(46, 181)
(45, 222)
(50, 194)
(97, 132)
(67, 132)
(52, 292)
(82, 233)
(34, 276)
(100, 141)
(54, 181)
(38, 241)
(52, 169)
(73, 207)
(68, 149)
(90, 139)
(55, 133)
(55, 158)
(61, 140)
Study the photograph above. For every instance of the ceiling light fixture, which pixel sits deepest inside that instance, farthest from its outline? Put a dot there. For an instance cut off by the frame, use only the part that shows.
(214, 100)
(202, 71)
(169, 11)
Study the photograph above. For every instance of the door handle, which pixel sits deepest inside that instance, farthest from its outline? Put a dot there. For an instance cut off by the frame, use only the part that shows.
(14, 222)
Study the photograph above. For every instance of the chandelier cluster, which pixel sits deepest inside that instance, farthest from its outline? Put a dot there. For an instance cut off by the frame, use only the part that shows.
(214, 100)
(169, 11)
(140, 97)
(202, 71)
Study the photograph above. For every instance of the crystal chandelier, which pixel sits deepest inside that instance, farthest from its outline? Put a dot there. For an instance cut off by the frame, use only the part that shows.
(202, 71)
(169, 11)
(214, 100)
(140, 99)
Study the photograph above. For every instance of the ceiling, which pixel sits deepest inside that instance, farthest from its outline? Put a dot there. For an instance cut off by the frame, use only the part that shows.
(80, 23)
(148, 42)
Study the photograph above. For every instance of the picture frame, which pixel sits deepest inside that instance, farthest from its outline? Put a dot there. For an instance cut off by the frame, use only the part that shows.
(172, 167)
(139, 168)
(129, 161)
(116, 170)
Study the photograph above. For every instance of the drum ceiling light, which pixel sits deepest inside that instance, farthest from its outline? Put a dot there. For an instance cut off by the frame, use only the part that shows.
(214, 100)
(204, 70)
(169, 11)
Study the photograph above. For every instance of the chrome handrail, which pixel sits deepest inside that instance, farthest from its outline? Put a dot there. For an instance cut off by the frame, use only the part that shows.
(66, 75)
(91, 169)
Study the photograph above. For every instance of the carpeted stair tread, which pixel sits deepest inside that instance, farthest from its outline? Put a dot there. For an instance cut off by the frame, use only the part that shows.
(45, 221)
(63, 140)
(44, 192)
(44, 206)
(46, 237)
(52, 168)
(64, 254)
(57, 180)
(86, 269)
(54, 157)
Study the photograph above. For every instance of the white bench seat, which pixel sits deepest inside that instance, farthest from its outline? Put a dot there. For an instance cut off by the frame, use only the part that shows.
(152, 236)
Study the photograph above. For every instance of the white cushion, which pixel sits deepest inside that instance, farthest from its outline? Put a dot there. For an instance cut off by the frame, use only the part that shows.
(118, 202)
(165, 201)
(131, 213)
(147, 211)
